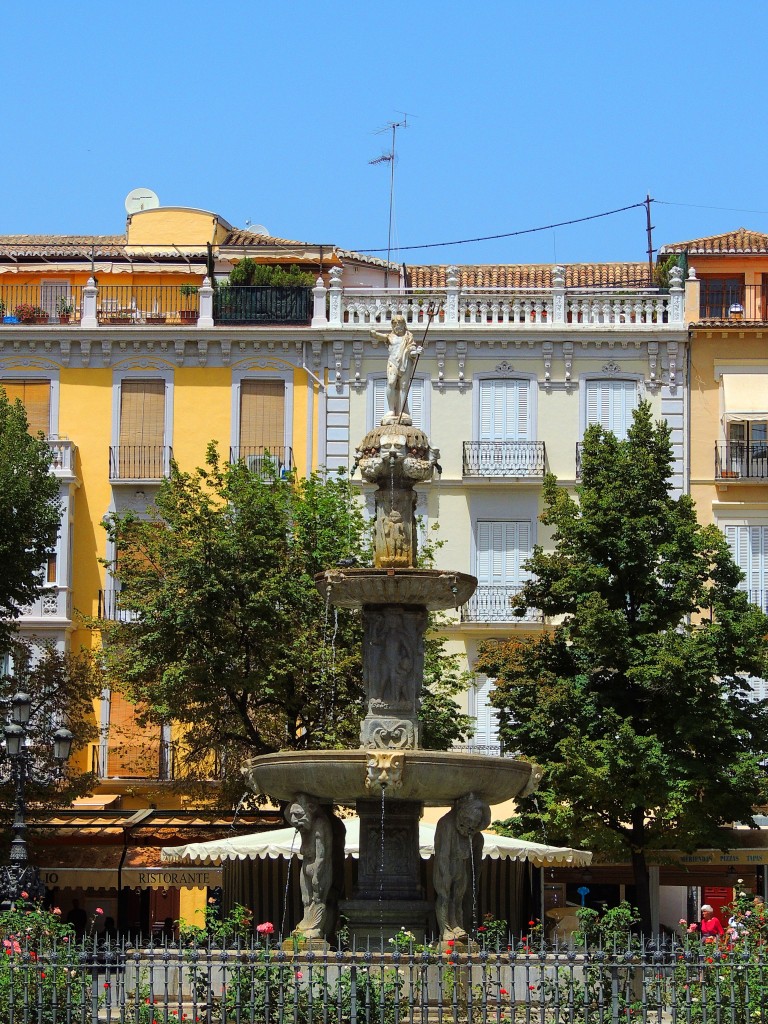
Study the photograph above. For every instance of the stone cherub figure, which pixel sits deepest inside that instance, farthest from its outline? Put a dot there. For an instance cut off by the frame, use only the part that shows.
(314, 825)
(458, 844)
(402, 350)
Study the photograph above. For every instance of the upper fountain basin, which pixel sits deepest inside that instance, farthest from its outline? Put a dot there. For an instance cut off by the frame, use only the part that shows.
(434, 589)
(434, 777)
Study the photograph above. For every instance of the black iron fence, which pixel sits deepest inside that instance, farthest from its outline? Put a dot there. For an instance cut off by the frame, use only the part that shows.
(266, 461)
(735, 460)
(149, 304)
(139, 461)
(49, 303)
(256, 304)
(504, 458)
(261, 983)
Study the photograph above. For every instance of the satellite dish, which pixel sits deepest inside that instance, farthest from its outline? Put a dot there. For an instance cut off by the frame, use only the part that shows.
(139, 199)
(259, 229)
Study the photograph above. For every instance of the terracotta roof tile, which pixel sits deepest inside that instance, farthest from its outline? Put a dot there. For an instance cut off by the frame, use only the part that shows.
(742, 241)
(534, 275)
(61, 245)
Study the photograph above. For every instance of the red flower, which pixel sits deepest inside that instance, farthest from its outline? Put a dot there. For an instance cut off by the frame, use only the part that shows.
(531, 924)
(531, 988)
(106, 984)
(503, 992)
(482, 928)
(42, 974)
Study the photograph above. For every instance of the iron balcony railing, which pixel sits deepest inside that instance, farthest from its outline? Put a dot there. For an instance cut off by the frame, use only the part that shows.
(166, 763)
(109, 606)
(257, 304)
(139, 462)
(266, 461)
(154, 980)
(504, 458)
(732, 301)
(491, 603)
(151, 304)
(49, 303)
(741, 460)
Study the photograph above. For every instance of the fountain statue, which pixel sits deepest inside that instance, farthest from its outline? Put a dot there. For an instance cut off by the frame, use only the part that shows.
(391, 777)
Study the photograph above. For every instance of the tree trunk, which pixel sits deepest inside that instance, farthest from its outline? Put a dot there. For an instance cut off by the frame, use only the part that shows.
(643, 891)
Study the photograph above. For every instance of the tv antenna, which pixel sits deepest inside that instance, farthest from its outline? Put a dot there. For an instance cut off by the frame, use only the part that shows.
(389, 158)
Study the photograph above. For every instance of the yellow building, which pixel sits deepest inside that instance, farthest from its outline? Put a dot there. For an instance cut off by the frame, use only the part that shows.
(727, 309)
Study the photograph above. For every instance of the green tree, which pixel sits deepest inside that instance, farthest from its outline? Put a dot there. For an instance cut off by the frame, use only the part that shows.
(63, 686)
(635, 703)
(230, 638)
(29, 514)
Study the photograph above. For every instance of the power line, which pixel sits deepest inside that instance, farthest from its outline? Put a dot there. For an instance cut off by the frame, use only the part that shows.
(698, 206)
(511, 234)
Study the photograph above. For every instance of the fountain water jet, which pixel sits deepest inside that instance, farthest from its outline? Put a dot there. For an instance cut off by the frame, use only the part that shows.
(395, 597)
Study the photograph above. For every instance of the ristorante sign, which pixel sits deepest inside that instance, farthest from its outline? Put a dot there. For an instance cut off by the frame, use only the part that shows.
(170, 877)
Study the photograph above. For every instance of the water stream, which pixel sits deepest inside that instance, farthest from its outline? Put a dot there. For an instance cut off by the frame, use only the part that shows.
(240, 803)
(333, 663)
(474, 882)
(287, 884)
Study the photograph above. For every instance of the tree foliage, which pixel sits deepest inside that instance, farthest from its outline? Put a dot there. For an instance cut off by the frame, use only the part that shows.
(229, 637)
(29, 514)
(63, 687)
(636, 703)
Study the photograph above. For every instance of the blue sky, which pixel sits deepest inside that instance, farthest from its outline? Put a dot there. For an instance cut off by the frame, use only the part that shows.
(520, 115)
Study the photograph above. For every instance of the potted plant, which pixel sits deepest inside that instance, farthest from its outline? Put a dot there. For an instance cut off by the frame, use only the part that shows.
(188, 315)
(26, 313)
(65, 309)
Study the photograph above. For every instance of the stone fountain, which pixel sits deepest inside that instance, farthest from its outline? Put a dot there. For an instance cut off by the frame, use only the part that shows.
(390, 778)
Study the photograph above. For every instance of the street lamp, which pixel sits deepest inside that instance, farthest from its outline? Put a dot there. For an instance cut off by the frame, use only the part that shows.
(19, 875)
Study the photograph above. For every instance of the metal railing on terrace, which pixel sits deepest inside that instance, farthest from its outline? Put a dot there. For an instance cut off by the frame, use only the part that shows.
(504, 458)
(267, 462)
(109, 606)
(139, 462)
(733, 301)
(257, 982)
(40, 303)
(491, 603)
(150, 304)
(741, 460)
(261, 304)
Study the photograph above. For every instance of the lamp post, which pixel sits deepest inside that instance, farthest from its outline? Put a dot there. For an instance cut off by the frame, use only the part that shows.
(19, 875)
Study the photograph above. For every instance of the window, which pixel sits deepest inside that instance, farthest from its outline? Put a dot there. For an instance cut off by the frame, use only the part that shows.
(504, 410)
(749, 547)
(51, 567)
(610, 403)
(718, 294)
(262, 416)
(486, 737)
(416, 401)
(142, 430)
(53, 294)
(35, 396)
(501, 549)
(133, 750)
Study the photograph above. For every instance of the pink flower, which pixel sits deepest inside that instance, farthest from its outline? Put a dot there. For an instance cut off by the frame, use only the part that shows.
(25, 895)
(266, 928)
(99, 910)
(57, 911)
(299, 974)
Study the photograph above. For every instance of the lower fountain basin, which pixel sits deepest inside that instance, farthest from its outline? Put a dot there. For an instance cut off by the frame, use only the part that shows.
(433, 589)
(433, 777)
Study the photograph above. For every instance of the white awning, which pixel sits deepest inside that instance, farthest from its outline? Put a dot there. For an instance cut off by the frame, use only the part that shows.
(285, 842)
(745, 396)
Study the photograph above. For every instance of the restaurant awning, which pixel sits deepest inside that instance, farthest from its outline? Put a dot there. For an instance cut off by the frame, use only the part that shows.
(143, 869)
(745, 396)
(78, 867)
(284, 842)
(115, 867)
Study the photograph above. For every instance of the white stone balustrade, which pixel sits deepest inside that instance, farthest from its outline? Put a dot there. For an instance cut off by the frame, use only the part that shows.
(62, 456)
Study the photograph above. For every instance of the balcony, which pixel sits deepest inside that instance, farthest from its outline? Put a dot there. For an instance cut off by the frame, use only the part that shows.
(494, 604)
(139, 463)
(40, 303)
(740, 460)
(504, 459)
(63, 453)
(734, 303)
(109, 607)
(150, 304)
(267, 462)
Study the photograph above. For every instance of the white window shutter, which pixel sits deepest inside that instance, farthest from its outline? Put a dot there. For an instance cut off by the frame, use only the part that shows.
(611, 404)
(484, 552)
(502, 547)
(504, 410)
(486, 716)
(379, 399)
(416, 402)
